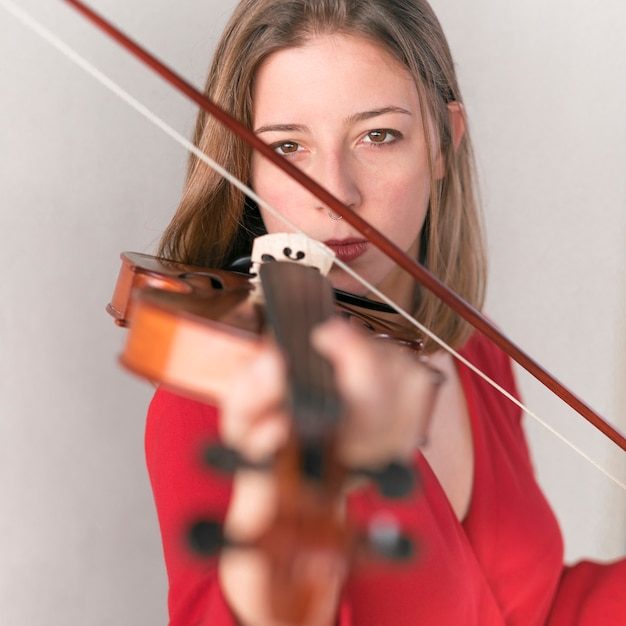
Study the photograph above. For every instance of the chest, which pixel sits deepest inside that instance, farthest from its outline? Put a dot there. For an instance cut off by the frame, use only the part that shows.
(449, 449)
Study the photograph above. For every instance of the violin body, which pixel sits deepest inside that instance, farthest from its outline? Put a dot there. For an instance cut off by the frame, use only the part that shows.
(190, 327)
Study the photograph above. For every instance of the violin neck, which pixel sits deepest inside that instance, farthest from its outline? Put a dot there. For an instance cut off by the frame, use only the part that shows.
(298, 298)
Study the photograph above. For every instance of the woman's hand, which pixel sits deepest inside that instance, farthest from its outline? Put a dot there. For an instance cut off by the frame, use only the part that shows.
(388, 392)
(388, 396)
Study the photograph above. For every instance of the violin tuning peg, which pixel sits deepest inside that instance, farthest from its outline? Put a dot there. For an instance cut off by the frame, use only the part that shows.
(394, 481)
(228, 460)
(224, 459)
(206, 537)
(386, 540)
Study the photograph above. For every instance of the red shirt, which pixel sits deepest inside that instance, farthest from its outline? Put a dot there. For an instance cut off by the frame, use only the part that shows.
(503, 565)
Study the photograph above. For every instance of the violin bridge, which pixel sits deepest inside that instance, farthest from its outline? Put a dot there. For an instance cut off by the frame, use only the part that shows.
(290, 248)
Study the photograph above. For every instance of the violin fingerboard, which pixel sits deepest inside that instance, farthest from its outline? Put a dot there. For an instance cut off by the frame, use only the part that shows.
(298, 298)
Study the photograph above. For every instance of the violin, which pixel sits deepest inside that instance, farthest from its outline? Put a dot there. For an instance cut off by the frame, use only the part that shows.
(191, 328)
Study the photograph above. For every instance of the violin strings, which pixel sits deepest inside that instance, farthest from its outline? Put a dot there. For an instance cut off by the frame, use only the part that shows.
(125, 96)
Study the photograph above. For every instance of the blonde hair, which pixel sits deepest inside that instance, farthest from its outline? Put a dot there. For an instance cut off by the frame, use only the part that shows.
(215, 223)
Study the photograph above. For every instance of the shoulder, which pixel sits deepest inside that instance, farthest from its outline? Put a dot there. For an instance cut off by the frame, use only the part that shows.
(173, 421)
(491, 360)
(175, 410)
(490, 385)
(481, 350)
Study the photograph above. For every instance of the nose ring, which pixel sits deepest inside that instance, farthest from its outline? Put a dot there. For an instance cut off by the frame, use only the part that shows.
(334, 217)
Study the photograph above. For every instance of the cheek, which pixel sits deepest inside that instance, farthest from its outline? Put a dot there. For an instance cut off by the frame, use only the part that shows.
(279, 191)
(265, 183)
(405, 199)
(262, 177)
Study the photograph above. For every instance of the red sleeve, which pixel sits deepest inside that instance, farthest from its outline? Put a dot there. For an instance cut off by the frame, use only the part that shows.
(591, 594)
(177, 430)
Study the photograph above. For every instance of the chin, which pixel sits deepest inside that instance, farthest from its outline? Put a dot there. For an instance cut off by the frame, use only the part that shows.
(344, 282)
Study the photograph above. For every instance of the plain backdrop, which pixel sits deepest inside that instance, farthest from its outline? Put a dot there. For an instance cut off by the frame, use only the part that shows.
(83, 177)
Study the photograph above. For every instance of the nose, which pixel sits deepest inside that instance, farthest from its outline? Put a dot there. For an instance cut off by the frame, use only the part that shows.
(338, 176)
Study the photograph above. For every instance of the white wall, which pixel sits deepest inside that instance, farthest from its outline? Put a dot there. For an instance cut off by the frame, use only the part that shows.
(542, 88)
(82, 178)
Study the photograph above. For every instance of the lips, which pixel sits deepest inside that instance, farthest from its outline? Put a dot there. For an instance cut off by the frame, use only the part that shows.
(347, 250)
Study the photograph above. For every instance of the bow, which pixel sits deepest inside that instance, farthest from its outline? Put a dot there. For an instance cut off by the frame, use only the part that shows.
(431, 283)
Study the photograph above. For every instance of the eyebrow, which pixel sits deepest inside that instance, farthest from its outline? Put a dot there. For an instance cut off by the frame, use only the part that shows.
(368, 115)
(352, 119)
(287, 128)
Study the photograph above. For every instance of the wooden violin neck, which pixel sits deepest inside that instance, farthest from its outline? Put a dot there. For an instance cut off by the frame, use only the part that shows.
(298, 298)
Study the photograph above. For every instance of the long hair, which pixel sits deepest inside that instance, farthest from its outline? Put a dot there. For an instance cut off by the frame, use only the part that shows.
(215, 223)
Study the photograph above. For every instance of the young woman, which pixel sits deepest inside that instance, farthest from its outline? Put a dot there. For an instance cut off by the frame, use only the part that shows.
(362, 96)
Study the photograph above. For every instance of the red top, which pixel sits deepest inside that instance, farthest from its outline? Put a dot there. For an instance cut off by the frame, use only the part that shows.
(502, 566)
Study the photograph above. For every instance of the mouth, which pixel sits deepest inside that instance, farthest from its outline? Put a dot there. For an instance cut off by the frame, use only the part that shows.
(347, 250)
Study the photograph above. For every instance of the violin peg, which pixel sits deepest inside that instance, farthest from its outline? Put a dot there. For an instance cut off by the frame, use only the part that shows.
(386, 540)
(207, 538)
(394, 481)
(228, 461)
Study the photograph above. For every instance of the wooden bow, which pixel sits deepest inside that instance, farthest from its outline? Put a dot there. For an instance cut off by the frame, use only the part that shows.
(417, 271)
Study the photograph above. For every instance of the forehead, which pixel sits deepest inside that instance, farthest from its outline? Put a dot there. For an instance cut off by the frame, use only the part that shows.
(332, 72)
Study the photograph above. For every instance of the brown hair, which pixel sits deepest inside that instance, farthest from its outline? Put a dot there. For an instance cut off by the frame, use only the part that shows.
(215, 223)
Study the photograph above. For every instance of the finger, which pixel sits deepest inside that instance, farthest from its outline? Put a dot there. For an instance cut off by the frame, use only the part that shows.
(389, 393)
(360, 360)
(253, 419)
(353, 356)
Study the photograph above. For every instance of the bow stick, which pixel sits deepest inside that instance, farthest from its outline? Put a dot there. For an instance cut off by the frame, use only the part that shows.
(410, 265)
(407, 263)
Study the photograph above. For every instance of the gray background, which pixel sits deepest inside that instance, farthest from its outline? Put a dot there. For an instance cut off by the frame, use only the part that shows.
(83, 177)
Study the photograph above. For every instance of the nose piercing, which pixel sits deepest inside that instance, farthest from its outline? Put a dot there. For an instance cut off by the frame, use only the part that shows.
(334, 217)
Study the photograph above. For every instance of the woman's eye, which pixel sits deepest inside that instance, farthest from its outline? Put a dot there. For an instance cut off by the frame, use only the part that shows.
(286, 147)
(380, 136)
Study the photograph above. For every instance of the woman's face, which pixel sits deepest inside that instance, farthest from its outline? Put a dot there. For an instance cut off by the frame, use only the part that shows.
(344, 111)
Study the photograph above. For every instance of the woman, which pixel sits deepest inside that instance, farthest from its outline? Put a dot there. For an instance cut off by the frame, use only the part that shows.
(362, 96)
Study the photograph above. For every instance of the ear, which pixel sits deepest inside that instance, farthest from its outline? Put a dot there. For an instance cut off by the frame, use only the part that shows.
(456, 115)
